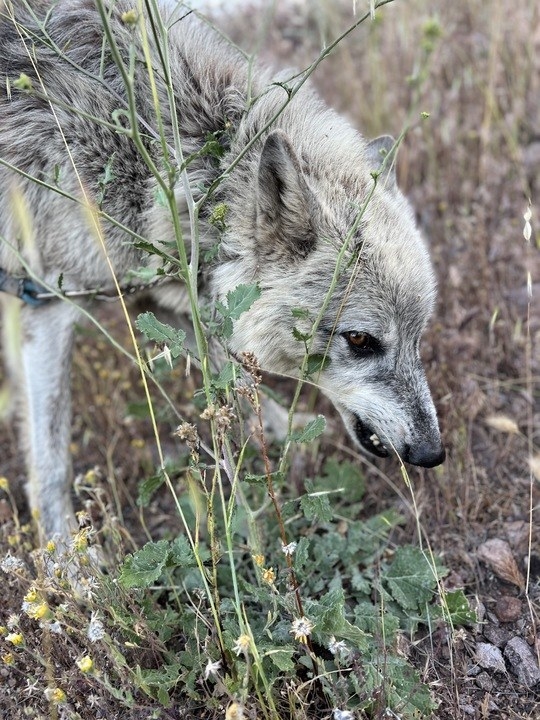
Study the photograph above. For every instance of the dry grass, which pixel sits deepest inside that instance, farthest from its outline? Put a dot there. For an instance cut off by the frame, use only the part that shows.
(469, 169)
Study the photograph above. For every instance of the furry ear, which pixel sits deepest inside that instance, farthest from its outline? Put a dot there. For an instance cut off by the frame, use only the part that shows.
(285, 202)
(383, 150)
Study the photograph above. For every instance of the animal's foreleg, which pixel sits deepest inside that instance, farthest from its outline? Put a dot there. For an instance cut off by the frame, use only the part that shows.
(47, 339)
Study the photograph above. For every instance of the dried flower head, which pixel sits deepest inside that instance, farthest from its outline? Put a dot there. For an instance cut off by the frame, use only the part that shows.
(242, 644)
(251, 364)
(188, 434)
(301, 629)
(269, 576)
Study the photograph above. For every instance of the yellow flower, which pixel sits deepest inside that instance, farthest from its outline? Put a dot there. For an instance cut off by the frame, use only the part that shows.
(80, 541)
(269, 576)
(4, 484)
(39, 611)
(235, 712)
(16, 639)
(130, 17)
(8, 658)
(258, 560)
(55, 695)
(85, 664)
(32, 595)
(51, 547)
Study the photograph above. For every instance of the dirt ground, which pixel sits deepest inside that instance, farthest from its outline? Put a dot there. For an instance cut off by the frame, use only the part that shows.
(470, 170)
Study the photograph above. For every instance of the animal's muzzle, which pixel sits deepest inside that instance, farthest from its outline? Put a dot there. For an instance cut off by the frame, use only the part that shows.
(370, 441)
(423, 454)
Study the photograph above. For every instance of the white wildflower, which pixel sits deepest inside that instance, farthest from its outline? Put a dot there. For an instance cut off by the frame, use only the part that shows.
(10, 564)
(212, 669)
(95, 631)
(343, 715)
(290, 548)
(338, 647)
(54, 627)
(301, 629)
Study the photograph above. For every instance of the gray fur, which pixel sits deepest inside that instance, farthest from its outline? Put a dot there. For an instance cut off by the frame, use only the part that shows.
(292, 199)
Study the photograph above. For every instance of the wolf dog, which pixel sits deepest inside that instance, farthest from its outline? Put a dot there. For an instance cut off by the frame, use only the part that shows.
(313, 215)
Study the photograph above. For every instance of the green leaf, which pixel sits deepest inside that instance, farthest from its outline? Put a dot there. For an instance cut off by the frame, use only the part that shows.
(225, 377)
(328, 615)
(456, 608)
(145, 566)
(181, 552)
(411, 578)
(147, 488)
(106, 177)
(397, 687)
(161, 333)
(282, 658)
(300, 336)
(302, 313)
(153, 250)
(381, 623)
(241, 299)
(263, 479)
(313, 429)
(316, 506)
(316, 363)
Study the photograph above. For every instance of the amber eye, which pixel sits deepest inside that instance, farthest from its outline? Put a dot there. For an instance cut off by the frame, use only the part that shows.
(358, 339)
(362, 342)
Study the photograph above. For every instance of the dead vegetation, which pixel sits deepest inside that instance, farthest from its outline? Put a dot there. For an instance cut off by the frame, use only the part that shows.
(470, 165)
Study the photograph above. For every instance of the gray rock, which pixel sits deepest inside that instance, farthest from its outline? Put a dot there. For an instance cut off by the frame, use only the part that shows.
(522, 662)
(496, 635)
(484, 681)
(489, 657)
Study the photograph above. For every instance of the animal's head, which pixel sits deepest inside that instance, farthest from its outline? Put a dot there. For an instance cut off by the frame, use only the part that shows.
(335, 249)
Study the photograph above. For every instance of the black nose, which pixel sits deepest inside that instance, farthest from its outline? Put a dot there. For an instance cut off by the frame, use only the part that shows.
(424, 455)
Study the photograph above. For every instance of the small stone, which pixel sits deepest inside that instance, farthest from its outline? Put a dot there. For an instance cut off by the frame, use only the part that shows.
(496, 635)
(522, 662)
(484, 681)
(490, 657)
(474, 670)
(508, 608)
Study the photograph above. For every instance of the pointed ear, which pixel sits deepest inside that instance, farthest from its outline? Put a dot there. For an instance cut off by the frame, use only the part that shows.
(285, 202)
(383, 150)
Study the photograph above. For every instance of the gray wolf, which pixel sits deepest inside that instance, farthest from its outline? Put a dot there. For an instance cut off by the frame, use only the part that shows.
(295, 179)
